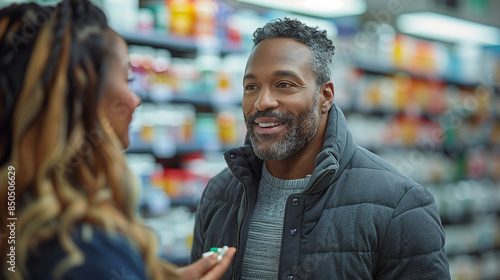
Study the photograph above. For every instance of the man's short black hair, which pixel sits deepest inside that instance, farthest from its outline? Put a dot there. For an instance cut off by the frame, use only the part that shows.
(322, 48)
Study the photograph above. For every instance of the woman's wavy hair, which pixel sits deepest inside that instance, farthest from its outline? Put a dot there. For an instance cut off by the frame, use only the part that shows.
(69, 166)
(322, 48)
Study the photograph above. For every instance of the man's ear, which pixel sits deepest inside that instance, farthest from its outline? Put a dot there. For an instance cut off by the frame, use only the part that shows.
(326, 94)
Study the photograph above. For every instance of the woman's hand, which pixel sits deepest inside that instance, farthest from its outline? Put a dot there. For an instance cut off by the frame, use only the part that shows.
(208, 268)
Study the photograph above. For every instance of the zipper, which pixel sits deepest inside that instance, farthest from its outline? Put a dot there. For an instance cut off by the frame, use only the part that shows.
(317, 182)
(233, 277)
(323, 176)
(239, 227)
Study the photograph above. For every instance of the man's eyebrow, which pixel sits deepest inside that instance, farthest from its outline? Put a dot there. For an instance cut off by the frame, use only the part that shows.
(278, 73)
(249, 76)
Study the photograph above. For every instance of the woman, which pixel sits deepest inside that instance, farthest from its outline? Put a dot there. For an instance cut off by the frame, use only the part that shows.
(68, 199)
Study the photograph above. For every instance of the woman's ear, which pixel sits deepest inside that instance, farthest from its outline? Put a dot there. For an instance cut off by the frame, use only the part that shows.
(326, 94)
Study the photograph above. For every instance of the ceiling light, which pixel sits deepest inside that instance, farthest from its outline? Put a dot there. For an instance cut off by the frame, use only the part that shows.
(318, 8)
(445, 28)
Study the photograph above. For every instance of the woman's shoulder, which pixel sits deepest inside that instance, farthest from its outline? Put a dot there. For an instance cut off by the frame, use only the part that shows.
(105, 256)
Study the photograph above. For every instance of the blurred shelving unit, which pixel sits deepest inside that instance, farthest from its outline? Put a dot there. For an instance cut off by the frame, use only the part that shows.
(425, 114)
(185, 75)
(442, 131)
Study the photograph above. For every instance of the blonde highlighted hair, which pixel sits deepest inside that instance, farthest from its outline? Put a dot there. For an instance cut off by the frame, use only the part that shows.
(69, 166)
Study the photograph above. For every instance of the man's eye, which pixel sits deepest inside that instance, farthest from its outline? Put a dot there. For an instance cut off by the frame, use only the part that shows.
(284, 85)
(250, 87)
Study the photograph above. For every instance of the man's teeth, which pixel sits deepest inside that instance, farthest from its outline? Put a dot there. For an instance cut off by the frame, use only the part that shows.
(268, 124)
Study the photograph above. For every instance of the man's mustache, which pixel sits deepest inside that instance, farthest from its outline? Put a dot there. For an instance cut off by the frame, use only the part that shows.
(250, 119)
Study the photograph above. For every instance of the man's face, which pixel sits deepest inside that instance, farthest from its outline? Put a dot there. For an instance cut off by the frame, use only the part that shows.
(280, 104)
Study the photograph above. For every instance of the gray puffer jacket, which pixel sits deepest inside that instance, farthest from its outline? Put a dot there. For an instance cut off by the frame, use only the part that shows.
(359, 218)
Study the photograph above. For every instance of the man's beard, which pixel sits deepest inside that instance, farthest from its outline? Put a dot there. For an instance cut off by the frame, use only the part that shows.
(300, 131)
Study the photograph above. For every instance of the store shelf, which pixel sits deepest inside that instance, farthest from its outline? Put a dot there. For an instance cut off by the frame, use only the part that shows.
(180, 149)
(475, 253)
(202, 100)
(190, 202)
(179, 260)
(161, 39)
(467, 218)
(438, 148)
(381, 69)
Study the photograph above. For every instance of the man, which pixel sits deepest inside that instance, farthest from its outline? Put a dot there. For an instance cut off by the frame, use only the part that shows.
(300, 200)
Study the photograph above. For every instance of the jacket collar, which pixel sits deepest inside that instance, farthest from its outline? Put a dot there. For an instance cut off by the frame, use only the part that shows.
(338, 149)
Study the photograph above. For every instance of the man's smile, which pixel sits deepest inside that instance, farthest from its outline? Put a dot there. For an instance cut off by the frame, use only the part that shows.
(266, 125)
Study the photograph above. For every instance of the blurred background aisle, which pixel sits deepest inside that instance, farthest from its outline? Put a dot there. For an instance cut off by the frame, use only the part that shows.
(417, 80)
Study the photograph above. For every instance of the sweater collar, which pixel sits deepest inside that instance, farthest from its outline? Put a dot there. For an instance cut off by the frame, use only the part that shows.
(298, 185)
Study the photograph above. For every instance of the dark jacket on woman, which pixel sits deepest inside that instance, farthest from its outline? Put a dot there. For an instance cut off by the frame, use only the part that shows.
(106, 256)
(359, 218)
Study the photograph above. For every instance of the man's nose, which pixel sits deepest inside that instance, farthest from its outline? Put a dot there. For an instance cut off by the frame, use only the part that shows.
(266, 100)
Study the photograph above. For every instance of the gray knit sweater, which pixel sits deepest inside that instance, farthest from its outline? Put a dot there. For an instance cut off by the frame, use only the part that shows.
(262, 253)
